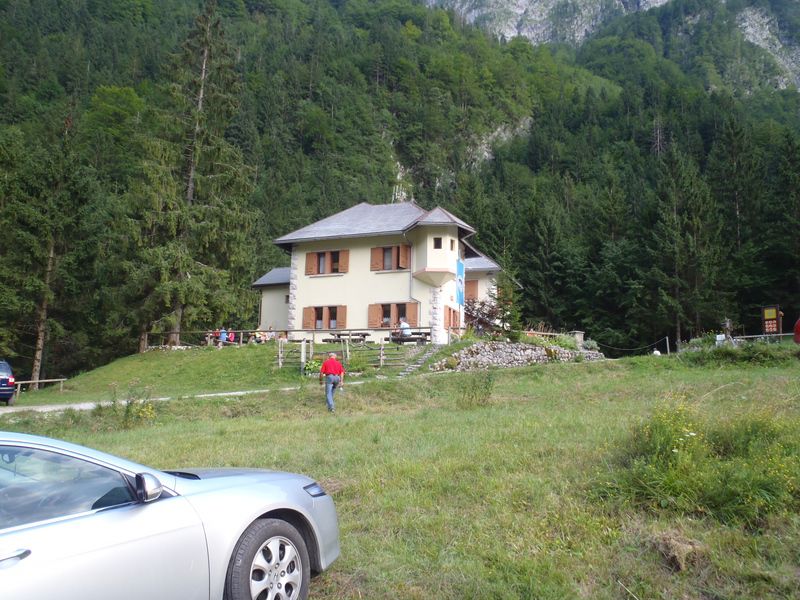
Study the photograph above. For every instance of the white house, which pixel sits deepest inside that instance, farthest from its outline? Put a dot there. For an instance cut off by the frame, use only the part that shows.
(370, 265)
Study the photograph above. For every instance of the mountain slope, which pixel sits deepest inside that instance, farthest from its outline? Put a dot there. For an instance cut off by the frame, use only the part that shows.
(771, 27)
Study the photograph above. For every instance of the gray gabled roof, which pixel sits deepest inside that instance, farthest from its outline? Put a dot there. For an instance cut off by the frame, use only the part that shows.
(439, 216)
(366, 220)
(480, 263)
(278, 276)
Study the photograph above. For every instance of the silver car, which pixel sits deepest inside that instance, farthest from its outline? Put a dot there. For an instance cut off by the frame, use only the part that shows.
(80, 524)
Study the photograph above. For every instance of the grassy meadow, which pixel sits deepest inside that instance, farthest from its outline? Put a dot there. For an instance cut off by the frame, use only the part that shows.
(641, 478)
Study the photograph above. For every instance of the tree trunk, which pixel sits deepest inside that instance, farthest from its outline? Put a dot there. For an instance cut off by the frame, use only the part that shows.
(143, 341)
(174, 336)
(41, 318)
(193, 150)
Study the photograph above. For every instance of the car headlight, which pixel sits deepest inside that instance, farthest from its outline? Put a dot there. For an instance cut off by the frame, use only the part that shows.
(314, 490)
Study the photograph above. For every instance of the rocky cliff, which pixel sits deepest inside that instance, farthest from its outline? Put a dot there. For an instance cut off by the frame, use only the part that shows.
(542, 21)
(573, 21)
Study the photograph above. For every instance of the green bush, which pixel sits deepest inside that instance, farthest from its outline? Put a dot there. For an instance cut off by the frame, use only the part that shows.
(736, 471)
(754, 353)
(476, 390)
(358, 362)
(313, 365)
(567, 342)
(537, 340)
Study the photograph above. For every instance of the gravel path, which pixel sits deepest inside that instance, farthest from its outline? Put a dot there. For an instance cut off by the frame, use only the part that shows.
(5, 410)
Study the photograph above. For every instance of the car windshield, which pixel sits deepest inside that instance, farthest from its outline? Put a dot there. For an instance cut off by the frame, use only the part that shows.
(5, 369)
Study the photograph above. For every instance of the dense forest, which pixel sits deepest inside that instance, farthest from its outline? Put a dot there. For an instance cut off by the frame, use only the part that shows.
(150, 150)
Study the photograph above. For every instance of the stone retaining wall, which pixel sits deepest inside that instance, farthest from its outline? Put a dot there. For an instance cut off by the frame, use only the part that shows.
(484, 355)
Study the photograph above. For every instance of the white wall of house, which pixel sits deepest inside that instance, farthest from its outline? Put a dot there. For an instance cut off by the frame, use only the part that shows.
(487, 282)
(360, 286)
(274, 311)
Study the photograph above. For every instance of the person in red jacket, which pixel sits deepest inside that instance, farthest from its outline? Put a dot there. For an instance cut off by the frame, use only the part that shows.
(332, 373)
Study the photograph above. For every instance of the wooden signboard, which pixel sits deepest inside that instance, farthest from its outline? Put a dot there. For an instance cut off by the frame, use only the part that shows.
(771, 320)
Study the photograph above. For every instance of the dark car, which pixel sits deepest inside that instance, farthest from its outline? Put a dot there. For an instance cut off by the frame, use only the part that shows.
(6, 383)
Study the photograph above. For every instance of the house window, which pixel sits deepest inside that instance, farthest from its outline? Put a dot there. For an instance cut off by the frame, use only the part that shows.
(437, 243)
(452, 245)
(324, 317)
(387, 259)
(390, 258)
(471, 289)
(385, 316)
(327, 262)
(286, 299)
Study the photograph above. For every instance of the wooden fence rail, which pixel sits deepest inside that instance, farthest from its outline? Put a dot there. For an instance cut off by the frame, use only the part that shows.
(18, 386)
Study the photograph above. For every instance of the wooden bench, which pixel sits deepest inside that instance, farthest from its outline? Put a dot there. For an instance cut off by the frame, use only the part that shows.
(415, 337)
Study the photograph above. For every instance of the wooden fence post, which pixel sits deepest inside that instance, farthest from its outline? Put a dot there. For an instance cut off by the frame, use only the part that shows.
(302, 356)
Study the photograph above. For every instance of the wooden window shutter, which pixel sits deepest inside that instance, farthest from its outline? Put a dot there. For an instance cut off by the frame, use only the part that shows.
(308, 317)
(326, 318)
(341, 317)
(311, 263)
(405, 257)
(344, 261)
(376, 259)
(412, 314)
(395, 257)
(471, 290)
(393, 317)
(374, 315)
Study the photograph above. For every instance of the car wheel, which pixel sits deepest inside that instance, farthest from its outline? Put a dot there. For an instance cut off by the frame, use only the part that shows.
(270, 562)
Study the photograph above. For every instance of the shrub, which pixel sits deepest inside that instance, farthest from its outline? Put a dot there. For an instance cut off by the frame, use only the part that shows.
(476, 390)
(537, 340)
(313, 365)
(736, 471)
(358, 362)
(590, 345)
(567, 342)
(754, 353)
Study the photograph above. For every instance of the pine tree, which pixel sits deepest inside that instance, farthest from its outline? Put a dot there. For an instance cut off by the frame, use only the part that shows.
(686, 248)
(187, 213)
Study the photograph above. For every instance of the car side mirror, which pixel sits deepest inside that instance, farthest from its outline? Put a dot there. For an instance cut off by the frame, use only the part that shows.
(148, 487)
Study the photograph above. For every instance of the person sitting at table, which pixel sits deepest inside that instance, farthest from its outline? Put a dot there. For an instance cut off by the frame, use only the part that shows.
(405, 328)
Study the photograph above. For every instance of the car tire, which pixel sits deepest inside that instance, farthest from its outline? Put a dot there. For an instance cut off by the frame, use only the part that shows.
(270, 562)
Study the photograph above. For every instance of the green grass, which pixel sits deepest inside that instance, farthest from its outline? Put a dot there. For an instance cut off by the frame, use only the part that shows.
(448, 494)
(173, 373)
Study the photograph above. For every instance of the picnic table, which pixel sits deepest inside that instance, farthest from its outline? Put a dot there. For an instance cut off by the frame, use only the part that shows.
(358, 337)
(418, 336)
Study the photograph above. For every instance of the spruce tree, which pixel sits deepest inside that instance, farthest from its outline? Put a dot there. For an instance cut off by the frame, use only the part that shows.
(187, 214)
